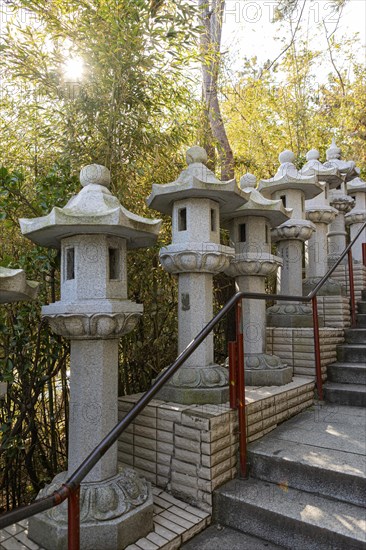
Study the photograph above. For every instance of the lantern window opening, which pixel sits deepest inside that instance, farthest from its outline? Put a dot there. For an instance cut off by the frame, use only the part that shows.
(213, 220)
(182, 219)
(114, 264)
(242, 233)
(70, 264)
(283, 199)
(266, 234)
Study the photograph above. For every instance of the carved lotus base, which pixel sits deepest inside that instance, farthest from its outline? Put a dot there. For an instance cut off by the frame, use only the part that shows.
(79, 326)
(197, 385)
(343, 203)
(266, 370)
(195, 258)
(253, 264)
(321, 214)
(300, 230)
(330, 287)
(291, 315)
(114, 513)
(355, 216)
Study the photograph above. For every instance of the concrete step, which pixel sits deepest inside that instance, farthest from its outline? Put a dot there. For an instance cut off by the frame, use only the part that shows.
(361, 320)
(351, 353)
(361, 307)
(289, 517)
(347, 373)
(353, 395)
(355, 336)
(218, 537)
(306, 467)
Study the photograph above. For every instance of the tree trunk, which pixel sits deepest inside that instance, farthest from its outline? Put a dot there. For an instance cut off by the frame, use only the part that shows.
(211, 17)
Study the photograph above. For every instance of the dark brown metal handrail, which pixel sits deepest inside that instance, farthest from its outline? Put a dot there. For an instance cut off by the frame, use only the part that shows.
(71, 487)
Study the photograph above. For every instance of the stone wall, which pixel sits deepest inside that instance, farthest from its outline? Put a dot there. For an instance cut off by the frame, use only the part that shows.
(190, 450)
(296, 347)
(359, 277)
(335, 311)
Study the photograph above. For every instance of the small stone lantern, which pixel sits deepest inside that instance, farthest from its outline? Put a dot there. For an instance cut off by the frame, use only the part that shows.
(340, 200)
(321, 214)
(195, 201)
(357, 216)
(94, 231)
(250, 231)
(293, 189)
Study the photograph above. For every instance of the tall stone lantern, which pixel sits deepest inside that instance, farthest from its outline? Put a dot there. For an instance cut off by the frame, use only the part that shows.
(250, 230)
(293, 189)
(340, 200)
(321, 214)
(94, 231)
(195, 201)
(357, 216)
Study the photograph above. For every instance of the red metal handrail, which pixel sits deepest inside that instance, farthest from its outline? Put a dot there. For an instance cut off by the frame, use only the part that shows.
(71, 488)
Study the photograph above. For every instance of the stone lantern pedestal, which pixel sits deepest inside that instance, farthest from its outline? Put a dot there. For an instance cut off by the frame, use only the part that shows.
(293, 189)
(195, 201)
(94, 232)
(250, 227)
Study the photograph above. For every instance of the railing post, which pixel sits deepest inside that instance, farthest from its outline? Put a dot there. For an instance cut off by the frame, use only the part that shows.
(233, 371)
(73, 512)
(318, 366)
(241, 391)
(351, 288)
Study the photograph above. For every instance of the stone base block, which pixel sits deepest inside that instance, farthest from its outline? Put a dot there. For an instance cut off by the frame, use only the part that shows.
(113, 514)
(330, 288)
(275, 377)
(197, 396)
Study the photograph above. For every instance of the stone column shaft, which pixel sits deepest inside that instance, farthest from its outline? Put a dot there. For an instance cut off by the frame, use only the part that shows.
(93, 403)
(291, 271)
(317, 248)
(194, 312)
(254, 315)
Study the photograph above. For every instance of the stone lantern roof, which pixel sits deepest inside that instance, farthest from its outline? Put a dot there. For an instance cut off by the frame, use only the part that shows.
(314, 167)
(196, 181)
(288, 177)
(14, 286)
(348, 169)
(258, 205)
(357, 185)
(94, 210)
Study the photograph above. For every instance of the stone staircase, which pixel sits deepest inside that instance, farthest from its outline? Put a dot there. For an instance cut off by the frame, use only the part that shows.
(307, 485)
(347, 377)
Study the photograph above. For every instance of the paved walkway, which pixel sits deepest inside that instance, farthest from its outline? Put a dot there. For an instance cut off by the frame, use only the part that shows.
(175, 522)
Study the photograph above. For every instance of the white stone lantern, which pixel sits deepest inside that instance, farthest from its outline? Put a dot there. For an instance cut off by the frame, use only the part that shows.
(250, 232)
(340, 200)
(293, 189)
(357, 216)
(195, 201)
(94, 231)
(321, 214)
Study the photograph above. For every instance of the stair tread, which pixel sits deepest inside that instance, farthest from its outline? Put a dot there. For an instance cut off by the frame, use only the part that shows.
(320, 458)
(338, 517)
(345, 387)
(361, 366)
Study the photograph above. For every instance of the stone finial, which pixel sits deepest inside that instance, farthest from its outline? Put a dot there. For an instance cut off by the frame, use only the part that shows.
(95, 174)
(248, 180)
(333, 152)
(286, 156)
(196, 154)
(313, 154)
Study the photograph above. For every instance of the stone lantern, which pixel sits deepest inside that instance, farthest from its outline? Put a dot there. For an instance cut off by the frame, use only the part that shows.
(250, 229)
(321, 214)
(195, 201)
(293, 189)
(94, 231)
(339, 200)
(357, 216)
(14, 287)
